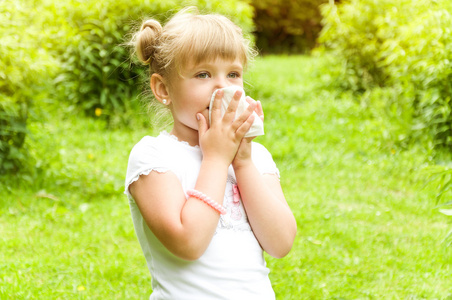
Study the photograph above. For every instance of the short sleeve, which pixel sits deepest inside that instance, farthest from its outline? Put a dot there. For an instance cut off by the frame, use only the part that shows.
(263, 160)
(144, 158)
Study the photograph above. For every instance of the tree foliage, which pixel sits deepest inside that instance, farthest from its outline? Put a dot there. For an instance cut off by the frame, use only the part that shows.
(400, 50)
(25, 70)
(287, 26)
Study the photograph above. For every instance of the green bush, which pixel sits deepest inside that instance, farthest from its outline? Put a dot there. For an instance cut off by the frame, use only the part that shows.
(97, 75)
(404, 46)
(287, 26)
(25, 69)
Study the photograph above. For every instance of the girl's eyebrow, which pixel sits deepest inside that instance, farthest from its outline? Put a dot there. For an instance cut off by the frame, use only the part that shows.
(201, 65)
(193, 68)
(237, 66)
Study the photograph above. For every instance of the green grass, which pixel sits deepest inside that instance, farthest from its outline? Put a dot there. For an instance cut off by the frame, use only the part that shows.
(367, 229)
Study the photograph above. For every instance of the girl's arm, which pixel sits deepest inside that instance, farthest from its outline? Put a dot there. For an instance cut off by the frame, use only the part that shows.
(269, 214)
(184, 227)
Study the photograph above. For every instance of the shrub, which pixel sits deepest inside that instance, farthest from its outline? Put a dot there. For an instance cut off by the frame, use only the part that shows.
(24, 71)
(287, 26)
(404, 45)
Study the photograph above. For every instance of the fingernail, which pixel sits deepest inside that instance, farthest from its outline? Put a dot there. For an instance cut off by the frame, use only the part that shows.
(197, 117)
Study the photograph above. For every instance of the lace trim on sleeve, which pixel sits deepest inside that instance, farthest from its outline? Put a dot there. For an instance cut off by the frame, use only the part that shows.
(276, 172)
(144, 172)
(272, 172)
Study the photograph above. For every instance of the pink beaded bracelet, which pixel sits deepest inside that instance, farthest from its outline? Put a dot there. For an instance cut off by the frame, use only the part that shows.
(198, 195)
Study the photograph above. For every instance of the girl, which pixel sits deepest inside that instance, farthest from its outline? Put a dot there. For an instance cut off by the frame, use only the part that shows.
(205, 201)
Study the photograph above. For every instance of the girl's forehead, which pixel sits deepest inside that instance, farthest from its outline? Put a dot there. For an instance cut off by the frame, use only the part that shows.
(212, 62)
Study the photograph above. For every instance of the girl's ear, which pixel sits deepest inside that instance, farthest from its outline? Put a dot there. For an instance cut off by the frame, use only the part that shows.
(160, 89)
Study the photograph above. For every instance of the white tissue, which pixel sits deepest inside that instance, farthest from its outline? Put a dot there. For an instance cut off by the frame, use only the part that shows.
(228, 93)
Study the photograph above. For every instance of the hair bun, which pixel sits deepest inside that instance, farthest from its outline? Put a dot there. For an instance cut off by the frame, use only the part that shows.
(146, 40)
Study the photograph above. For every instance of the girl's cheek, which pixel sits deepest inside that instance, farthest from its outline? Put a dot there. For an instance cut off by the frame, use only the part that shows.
(205, 113)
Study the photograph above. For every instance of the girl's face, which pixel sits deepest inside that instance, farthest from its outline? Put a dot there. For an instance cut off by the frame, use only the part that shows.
(190, 93)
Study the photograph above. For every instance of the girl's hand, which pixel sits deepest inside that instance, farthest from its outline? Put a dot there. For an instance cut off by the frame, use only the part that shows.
(243, 155)
(221, 141)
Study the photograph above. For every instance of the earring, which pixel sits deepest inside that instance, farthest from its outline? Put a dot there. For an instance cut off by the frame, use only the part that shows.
(164, 101)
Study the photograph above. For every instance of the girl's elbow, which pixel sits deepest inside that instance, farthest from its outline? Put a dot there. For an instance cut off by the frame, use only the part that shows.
(284, 245)
(282, 250)
(189, 256)
(189, 251)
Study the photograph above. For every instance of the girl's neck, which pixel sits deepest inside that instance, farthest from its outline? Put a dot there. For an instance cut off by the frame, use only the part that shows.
(186, 134)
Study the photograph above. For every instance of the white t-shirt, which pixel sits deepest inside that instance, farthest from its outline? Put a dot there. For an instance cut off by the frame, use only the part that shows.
(233, 266)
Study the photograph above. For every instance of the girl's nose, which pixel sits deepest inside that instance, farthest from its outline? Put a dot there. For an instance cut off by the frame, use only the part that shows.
(221, 83)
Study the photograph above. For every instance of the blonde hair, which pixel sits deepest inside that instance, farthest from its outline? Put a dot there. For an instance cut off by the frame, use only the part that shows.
(189, 37)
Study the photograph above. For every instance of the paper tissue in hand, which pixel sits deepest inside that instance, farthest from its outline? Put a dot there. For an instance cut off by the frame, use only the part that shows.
(228, 93)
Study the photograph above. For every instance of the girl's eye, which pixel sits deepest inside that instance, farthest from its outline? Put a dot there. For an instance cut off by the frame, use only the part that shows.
(234, 75)
(203, 75)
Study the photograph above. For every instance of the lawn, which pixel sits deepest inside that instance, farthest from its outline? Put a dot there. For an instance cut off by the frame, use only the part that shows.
(367, 226)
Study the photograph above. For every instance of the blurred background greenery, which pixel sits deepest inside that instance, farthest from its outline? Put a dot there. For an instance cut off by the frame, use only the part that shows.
(373, 76)
(395, 59)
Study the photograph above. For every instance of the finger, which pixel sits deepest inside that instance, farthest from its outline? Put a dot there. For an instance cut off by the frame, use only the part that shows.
(259, 110)
(216, 106)
(244, 116)
(244, 127)
(229, 116)
(202, 124)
